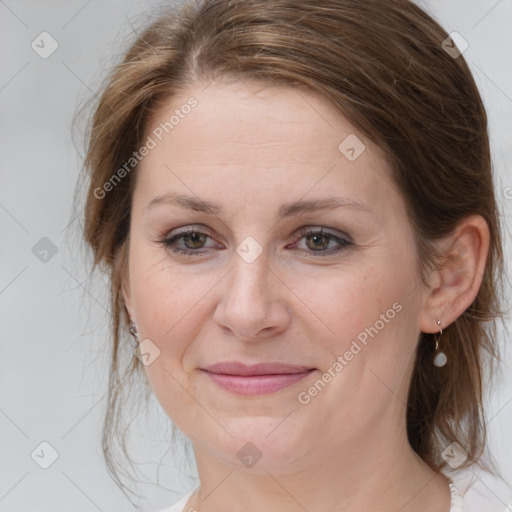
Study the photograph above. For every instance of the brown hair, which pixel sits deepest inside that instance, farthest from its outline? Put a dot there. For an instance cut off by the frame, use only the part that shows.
(383, 66)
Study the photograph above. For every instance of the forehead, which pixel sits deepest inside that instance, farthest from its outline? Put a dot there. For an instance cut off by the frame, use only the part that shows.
(253, 113)
(257, 140)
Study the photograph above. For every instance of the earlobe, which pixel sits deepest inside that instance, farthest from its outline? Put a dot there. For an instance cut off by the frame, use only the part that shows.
(460, 274)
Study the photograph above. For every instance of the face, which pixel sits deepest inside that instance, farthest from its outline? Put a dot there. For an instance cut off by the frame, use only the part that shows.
(255, 277)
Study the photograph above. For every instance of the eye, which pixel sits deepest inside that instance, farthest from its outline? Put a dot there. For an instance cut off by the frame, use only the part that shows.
(317, 240)
(192, 238)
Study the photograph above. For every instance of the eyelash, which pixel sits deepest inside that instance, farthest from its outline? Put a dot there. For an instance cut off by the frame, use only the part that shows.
(167, 242)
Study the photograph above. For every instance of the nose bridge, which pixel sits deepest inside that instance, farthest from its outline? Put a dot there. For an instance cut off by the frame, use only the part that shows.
(249, 304)
(248, 283)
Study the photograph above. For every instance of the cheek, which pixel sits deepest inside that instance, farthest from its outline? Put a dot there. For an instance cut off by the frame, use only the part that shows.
(168, 305)
(369, 316)
(370, 343)
(170, 310)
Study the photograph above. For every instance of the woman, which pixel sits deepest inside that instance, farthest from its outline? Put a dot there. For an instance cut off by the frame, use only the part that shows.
(295, 203)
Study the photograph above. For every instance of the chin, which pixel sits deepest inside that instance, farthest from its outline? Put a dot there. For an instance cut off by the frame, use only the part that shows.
(259, 443)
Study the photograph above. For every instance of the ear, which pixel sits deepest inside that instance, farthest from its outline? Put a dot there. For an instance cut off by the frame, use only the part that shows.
(454, 286)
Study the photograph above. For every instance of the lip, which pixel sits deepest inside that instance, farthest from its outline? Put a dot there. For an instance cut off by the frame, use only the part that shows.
(255, 379)
(237, 368)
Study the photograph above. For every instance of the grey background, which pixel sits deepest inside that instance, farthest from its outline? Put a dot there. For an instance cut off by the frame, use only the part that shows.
(53, 321)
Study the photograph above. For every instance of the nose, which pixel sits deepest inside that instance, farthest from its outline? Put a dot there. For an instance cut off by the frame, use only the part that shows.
(253, 304)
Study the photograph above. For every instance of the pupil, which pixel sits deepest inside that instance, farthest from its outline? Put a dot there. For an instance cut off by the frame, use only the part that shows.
(194, 237)
(317, 237)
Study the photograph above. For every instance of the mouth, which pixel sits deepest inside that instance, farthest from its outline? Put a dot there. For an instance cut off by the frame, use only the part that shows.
(256, 379)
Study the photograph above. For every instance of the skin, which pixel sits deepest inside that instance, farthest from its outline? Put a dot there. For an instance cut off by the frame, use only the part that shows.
(250, 148)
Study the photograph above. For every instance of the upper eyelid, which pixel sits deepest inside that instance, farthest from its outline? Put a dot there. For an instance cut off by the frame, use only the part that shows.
(338, 236)
(301, 231)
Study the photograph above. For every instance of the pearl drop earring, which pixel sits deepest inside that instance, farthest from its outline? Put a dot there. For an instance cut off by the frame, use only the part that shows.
(440, 358)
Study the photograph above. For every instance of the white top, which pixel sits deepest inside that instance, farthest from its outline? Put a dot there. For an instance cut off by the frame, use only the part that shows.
(471, 491)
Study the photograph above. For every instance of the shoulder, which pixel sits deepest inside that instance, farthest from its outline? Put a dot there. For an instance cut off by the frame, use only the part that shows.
(481, 490)
(179, 505)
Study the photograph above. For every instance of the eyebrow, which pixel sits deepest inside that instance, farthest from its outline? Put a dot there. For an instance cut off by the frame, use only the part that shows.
(286, 210)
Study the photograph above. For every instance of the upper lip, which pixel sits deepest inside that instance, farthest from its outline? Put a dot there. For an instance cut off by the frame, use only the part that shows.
(237, 368)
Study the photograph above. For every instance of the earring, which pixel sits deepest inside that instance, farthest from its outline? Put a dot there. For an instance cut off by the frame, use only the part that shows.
(440, 358)
(133, 332)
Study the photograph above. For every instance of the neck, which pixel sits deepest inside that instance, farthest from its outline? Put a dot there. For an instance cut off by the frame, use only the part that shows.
(375, 475)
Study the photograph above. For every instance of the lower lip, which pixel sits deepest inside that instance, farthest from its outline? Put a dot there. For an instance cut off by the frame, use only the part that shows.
(256, 384)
